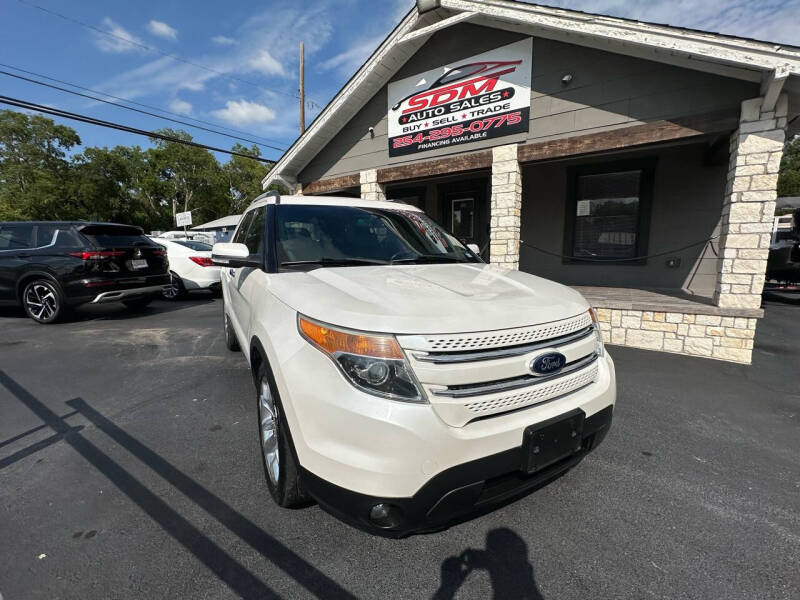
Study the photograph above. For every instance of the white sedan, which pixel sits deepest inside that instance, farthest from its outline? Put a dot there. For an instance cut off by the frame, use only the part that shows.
(190, 267)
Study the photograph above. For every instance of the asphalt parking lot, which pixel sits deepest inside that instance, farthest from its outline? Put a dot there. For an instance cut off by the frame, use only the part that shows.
(129, 468)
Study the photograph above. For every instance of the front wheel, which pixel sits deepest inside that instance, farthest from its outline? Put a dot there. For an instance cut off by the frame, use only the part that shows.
(231, 343)
(277, 456)
(42, 301)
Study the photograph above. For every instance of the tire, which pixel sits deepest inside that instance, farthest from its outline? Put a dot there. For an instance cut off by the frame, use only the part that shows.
(277, 452)
(43, 301)
(231, 343)
(175, 290)
(138, 303)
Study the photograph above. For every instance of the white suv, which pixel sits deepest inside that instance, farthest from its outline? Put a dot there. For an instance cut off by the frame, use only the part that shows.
(402, 383)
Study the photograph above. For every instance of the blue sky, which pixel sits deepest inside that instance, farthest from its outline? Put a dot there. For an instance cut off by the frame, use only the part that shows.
(250, 51)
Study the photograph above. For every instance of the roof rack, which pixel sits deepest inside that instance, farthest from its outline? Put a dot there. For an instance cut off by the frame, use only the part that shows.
(274, 194)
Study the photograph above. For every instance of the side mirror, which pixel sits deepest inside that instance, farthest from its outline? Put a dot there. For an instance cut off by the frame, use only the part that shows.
(475, 249)
(227, 254)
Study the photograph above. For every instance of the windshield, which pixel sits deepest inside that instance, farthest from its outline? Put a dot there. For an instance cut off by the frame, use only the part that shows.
(312, 236)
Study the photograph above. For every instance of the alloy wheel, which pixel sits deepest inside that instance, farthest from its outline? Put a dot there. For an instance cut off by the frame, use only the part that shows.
(173, 290)
(269, 424)
(41, 301)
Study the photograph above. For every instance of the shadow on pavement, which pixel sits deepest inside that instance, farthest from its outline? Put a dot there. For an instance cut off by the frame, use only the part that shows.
(505, 559)
(114, 311)
(240, 580)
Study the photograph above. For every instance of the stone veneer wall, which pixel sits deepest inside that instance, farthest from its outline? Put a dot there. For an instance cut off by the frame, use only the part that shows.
(712, 336)
(749, 206)
(370, 188)
(506, 206)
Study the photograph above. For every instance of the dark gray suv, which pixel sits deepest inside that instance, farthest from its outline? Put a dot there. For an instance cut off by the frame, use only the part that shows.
(48, 266)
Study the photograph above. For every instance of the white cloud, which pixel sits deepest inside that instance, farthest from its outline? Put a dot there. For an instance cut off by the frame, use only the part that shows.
(242, 112)
(352, 58)
(222, 40)
(265, 63)
(161, 29)
(181, 106)
(119, 40)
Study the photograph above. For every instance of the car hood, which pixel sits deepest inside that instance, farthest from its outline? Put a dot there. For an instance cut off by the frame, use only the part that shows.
(415, 299)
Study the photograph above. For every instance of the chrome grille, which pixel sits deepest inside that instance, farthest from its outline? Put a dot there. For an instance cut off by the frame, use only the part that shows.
(536, 394)
(496, 339)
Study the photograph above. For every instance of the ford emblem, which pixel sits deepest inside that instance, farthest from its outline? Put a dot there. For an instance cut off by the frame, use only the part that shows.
(547, 364)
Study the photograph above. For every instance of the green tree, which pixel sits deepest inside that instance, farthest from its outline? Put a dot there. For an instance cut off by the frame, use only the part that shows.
(789, 178)
(33, 167)
(243, 177)
(191, 178)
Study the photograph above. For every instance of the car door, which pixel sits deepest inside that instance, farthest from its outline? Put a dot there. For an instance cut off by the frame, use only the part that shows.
(16, 241)
(244, 285)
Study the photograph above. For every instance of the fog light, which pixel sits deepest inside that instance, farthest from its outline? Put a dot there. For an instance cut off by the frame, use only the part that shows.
(385, 516)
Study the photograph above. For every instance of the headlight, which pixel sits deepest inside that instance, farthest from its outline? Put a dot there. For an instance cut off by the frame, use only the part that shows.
(373, 363)
(598, 334)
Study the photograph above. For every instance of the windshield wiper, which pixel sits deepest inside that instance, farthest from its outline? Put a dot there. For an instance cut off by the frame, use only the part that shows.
(334, 262)
(428, 258)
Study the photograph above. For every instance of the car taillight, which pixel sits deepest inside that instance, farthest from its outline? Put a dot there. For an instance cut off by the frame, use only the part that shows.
(203, 261)
(160, 252)
(96, 254)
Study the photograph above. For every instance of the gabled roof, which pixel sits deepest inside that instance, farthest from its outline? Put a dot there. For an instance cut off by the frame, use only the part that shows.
(768, 63)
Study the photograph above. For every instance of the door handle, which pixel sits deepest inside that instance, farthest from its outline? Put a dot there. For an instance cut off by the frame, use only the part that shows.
(232, 272)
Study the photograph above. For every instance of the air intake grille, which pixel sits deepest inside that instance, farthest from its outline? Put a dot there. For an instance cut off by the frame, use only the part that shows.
(505, 337)
(537, 393)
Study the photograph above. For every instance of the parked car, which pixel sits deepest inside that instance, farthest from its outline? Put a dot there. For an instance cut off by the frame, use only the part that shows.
(190, 268)
(401, 382)
(48, 266)
(783, 262)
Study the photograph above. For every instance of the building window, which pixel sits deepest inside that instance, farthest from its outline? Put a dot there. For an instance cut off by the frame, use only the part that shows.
(608, 212)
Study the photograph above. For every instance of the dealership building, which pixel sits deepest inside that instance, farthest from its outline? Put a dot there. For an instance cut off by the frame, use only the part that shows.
(633, 161)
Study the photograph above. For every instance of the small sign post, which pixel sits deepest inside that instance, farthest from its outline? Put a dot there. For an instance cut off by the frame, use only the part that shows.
(182, 219)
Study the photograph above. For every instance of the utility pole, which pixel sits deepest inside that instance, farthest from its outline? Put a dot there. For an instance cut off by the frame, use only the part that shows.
(302, 91)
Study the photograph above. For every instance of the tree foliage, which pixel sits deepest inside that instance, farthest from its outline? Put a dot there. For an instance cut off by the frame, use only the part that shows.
(789, 178)
(38, 180)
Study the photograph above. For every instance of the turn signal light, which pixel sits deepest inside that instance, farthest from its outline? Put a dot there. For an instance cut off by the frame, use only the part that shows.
(334, 341)
(203, 261)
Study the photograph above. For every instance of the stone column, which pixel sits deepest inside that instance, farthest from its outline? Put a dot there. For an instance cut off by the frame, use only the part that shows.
(370, 188)
(749, 206)
(505, 206)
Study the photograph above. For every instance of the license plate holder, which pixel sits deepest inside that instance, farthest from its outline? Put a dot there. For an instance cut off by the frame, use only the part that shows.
(548, 442)
(138, 263)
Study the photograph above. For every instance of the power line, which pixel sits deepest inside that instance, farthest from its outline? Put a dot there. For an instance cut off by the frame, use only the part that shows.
(150, 48)
(111, 125)
(142, 104)
(144, 112)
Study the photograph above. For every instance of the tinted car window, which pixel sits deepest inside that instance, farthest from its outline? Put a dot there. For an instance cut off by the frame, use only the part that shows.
(110, 236)
(241, 232)
(44, 234)
(193, 245)
(16, 236)
(324, 233)
(255, 232)
(67, 238)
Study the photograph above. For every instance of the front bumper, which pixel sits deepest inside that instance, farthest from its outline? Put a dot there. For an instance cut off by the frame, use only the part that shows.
(456, 493)
(354, 445)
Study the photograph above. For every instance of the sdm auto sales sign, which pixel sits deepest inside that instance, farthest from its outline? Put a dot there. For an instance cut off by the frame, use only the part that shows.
(478, 98)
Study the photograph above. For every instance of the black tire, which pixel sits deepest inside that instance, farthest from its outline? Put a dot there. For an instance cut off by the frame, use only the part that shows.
(43, 301)
(231, 343)
(138, 303)
(284, 483)
(175, 290)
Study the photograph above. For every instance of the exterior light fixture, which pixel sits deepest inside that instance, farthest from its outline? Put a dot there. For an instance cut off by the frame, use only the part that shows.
(424, 6)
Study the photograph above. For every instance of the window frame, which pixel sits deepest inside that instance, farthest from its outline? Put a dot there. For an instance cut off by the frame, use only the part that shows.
(647, 167)
(253, 221)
